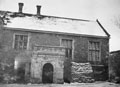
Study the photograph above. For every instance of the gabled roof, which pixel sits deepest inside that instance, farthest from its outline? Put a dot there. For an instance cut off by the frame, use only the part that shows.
(51, 23)
(117, 51)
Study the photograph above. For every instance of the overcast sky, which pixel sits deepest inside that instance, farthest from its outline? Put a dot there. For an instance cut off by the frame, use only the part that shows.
(104, 10)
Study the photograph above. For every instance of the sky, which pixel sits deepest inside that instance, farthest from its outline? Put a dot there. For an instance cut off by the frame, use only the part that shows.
(106, 11)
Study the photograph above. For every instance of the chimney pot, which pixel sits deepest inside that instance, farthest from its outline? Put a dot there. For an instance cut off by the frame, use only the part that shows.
(20, 7)
(38, 10)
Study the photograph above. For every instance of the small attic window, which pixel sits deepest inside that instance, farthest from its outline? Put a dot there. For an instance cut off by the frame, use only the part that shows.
(20, 42)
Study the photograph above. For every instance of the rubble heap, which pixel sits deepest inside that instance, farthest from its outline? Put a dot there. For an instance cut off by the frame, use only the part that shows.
(82, 72)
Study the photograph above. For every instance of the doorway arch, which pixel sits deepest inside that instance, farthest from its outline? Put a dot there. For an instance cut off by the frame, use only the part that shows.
(47, 74)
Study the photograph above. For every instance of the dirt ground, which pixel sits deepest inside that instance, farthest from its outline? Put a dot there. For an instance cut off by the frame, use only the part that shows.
(96, 84)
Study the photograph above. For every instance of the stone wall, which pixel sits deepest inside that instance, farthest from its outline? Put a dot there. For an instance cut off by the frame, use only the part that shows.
(114, 66)
(82, 72)
(46, 55)
(80, 49)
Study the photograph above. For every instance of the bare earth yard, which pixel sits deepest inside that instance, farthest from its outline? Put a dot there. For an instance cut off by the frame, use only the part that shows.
(96, 84)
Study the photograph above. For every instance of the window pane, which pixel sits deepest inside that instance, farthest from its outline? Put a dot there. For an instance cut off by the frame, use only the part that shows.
(90, 45)
(70, 52)
(16, 37)
(96, 56)
(68, 45)
(93, 45)
(25, 43)
(90, 55)
(66, 52)
(20, 42)
(20, 45)
(93, 56)
(21, 37)
(64, 43)
(25, 38)
(94, 51)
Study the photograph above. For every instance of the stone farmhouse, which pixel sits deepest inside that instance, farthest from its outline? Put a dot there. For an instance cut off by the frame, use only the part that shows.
(41, 48)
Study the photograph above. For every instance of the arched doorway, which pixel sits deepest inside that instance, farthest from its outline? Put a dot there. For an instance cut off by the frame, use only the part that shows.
(47, 75)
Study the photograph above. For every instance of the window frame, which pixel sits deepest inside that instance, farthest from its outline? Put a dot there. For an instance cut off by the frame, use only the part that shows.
(72, 45)
(95, 41)
(20, 35)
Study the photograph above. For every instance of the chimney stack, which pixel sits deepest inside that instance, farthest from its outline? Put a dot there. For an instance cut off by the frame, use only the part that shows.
(38, 10)
(20, 7)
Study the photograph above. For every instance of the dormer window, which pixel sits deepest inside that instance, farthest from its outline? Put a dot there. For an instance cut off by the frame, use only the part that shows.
(20, 42)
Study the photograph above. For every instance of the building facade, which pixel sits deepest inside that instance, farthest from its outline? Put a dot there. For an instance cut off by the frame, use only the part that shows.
(114, 64)
(42, 47)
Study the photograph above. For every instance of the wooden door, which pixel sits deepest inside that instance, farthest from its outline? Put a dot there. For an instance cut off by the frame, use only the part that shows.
(47, 75)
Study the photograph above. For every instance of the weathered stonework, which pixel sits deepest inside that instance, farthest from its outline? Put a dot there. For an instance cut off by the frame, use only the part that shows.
(82, 72)
(34, 63)
(44, 55)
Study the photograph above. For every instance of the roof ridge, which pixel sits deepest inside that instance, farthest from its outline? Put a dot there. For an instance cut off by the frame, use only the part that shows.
(29, 14)
(52, 23)
(103, 28)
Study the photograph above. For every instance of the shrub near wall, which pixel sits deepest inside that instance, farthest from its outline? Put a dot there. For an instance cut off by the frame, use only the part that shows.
(7, 66)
